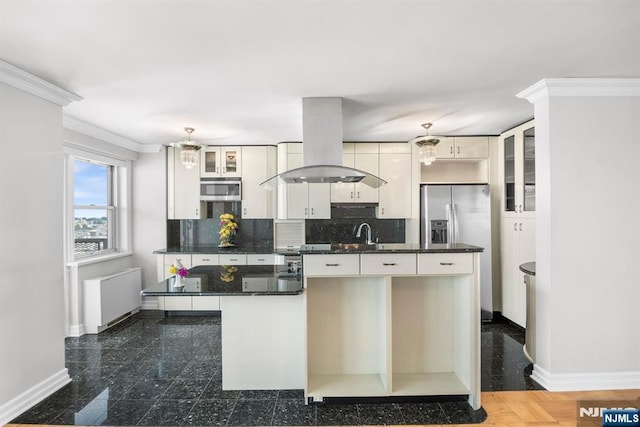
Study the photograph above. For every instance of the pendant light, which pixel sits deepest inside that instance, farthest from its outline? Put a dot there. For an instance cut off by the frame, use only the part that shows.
(426, 146)
(189, 150)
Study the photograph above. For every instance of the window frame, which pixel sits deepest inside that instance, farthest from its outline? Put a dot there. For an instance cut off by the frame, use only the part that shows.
(119, 189)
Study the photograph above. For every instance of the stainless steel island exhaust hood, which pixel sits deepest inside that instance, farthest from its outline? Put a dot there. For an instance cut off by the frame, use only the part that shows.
(322, 148)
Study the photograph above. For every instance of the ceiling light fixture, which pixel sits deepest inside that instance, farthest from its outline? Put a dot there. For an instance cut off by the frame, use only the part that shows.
(426, 146)
(189, 150)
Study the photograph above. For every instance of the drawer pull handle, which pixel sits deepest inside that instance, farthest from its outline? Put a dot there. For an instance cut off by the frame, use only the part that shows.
(446, 263)
(389, 263)
(206, 259)
(332, 265)
(260, 259)
(233, 259)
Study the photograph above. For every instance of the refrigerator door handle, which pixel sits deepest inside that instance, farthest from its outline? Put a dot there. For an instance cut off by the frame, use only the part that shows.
(452, 224)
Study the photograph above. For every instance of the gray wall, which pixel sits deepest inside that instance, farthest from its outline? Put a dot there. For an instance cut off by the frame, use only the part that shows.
(31, 283)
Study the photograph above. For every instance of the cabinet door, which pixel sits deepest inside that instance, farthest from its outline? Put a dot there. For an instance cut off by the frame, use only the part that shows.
(258, 164)
(510, 261)
(344, 192)
(183, 188)
(445, 148)
(231, 161)
(395, 195)
(367, 162)
(471, 147)
(319, 201)
(297, 195)
(528, 170)
(210, 166)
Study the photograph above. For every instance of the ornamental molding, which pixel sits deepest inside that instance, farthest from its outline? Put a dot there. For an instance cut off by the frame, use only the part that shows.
(547, 88)
(27, 82)
(85, 128)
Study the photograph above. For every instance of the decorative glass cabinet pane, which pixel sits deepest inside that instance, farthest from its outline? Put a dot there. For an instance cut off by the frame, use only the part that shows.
(529, 170)
(509, 174)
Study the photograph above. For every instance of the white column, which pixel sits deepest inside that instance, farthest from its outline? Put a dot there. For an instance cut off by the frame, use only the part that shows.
(588, 233)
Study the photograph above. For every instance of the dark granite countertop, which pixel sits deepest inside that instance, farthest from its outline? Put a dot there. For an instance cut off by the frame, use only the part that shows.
(249, 248)
(226, 280)
(528, 268)
(356, 248)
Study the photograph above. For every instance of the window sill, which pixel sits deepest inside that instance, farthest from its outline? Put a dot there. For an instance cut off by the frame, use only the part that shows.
(99, 258)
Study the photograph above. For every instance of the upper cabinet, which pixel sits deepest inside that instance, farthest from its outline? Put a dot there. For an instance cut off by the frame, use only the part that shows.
(517, 171)
(183, 188)
(258, 165)
(463, 147)
(460, 160)
(363, 156)
(300, 201)
(220, 162)
(395, 168)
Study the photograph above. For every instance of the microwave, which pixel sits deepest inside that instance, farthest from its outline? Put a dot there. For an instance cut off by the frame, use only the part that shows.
(220, 189)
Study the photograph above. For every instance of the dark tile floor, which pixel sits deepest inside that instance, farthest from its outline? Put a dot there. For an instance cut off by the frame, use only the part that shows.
(152, 370)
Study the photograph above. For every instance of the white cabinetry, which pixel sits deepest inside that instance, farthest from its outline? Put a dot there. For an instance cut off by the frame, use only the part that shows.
(518, 246)
(392, 332)
(363, 156)
(301, 201)
(517, 171)
(222, 162)
(395, 168)
(463, 147)
(183, 188)
(258, 165)
(517, 174)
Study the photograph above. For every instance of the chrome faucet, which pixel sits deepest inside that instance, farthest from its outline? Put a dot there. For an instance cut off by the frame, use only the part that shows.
(359, 232)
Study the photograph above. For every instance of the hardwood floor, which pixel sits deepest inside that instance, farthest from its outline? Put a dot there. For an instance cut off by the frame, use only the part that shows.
(531, 408)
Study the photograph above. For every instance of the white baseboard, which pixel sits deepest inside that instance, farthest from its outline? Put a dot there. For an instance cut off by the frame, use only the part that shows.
(586, 381)
(32, 396)
(76, 331)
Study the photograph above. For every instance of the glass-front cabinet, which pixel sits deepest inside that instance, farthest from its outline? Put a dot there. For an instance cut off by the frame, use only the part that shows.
(519, 170)
(220, 162)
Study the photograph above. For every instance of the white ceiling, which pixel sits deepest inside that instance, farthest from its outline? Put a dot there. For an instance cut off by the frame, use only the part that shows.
(236, 70)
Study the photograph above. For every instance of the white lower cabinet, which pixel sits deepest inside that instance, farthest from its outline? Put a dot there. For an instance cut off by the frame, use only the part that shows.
(189, 303)
(394, 334)
(517, 247)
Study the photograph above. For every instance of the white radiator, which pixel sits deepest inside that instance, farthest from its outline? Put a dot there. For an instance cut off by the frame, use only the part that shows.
(109, 298)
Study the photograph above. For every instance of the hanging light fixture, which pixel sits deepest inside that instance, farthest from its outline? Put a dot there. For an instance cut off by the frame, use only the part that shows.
(189, 150)
(426, 146)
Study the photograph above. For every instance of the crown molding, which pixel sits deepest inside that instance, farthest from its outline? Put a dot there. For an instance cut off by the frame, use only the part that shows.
(85, 128)
(546, 88)
(20, 79)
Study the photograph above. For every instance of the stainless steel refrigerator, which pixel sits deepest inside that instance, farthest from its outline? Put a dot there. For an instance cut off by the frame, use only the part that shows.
(460, 214)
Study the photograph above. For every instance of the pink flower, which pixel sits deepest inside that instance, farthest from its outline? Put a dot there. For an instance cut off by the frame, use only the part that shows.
(183, 272)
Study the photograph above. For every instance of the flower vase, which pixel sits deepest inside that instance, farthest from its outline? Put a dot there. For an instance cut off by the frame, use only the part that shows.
(179, 281)
(225, 243)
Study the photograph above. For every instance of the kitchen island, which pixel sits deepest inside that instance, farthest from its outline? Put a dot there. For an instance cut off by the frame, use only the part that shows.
(392, 320)
(262, 328)
(382, 320)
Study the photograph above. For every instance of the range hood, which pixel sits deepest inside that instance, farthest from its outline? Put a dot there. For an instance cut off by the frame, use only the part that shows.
(322, 148)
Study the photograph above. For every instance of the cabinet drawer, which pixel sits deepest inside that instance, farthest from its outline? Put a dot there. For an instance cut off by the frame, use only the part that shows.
(445, 263)
(261, 259)
(233, 259)
(387, 264)
(204, 259)
(205, 303)
(331, 265)
(177, 303)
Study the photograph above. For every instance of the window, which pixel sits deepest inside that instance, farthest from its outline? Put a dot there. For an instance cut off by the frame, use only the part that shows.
(93, 208)
(97, 199)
